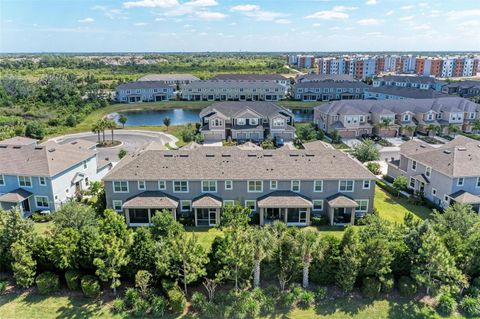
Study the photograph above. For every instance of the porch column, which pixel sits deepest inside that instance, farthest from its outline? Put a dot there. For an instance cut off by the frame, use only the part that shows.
(195, 212)
(352, 216)
(217, 216)
(309, 211)
(330, 215)
(127, 216)
(261, 216)
(149, 217)
(285, 216)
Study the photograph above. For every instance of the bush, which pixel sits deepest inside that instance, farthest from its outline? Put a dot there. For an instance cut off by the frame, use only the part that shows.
(374, 168)
(3, 286)
(176, 300)
(131, 297)
(118, 306)
(321, 293)
(471, 306)
(41, 218)
(287, 300)
(199, 302)
(387, 284)
(140, 307)
(158, 306)
(90, 286)
(72, 277)
(305, 299)
(366, 151)
(319, 221)
(446, 305)
(47, 283)
(371, 287)
(407, 287)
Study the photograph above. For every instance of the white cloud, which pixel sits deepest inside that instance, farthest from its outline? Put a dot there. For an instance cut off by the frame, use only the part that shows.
(343, 8)
(110, 12)
(374, 33)
(140, 24)
(86, 20)
(407, 18)
(159, 19)
(283, 21)
(421, 27)
(336, 28)
(316, 25)
(462, 14)
(370, 22)
(151, 4)
(423, 5)
(203, 33)
(210, 16)
(245, 7)
(371, 2)
(232, 23)
(187, 26)
(337, 13)
(406, 7)
(389, 13)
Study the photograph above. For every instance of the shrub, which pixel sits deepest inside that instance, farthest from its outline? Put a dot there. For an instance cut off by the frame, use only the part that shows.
(176, 300)
(72, 277)
(158, 306)
(407, 287)
(41, 218)
(374, 168)
(122, 153)
(471, 306)
(118, 306)
(140, 307)
(387, 284)
(90, 286)
(47, 283)
(366, 151)
(319, 221)
(199, 302)
(3, 286)
(287, 300)
(446, 304)
(131, 297)
(305, 299)
(371, 287)
(321, 293)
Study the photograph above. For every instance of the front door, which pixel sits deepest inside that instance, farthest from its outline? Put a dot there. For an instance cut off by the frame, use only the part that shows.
(212, 220)
(26, 205)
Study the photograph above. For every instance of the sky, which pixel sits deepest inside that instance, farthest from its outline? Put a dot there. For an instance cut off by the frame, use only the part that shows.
(233, 25)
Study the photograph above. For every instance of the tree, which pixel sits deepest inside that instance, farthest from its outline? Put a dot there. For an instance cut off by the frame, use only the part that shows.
(65, 248)
(432, 128)
(235, 216)
(164, 225)
(400, 184)
(476, 125)
(142, 252)
(385, 123)
(377, 259)
(142, 281)
(366, 151)
(410, 129)
(74, 215)
(306, 132)
(167, 121)
(122, 119)
(286, 256)
(308, 243)
(122, 153)
(453, 129)
(350, 260)
(261, 238)
(96, 129)
(23, 264)
(71, 120)
(111, 125)
(336, 137)
(35, 130)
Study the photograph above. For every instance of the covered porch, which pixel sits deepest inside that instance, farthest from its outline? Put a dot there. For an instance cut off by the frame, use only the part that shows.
(341, 210)
(207, 210)
(140, 209)
(286, 206)
(18, 198)
(464, 197)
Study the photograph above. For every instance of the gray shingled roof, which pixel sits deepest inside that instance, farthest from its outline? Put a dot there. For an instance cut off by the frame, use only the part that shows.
(232, 84)
(465, 197)
(222, 163)
(340, 200)
(249, 77)
(207, 201)
(406, 92)
(18, 140)
(284, 199)
(465, 84)
(322, 77)
(151, 199)
(143, 85)
(230, 109)
(168, 77)
(16, 196)
(411, 79)
(333, 84)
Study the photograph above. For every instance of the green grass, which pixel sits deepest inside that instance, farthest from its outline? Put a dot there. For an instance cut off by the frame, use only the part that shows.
(205, 235)
(298, 104)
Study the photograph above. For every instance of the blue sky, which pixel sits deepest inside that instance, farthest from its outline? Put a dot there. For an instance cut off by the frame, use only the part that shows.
(231, 25)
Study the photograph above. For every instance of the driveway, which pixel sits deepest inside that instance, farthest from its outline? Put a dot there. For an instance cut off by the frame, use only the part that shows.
(131, 141)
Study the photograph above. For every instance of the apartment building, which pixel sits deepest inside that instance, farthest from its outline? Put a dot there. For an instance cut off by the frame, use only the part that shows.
(409, 81)
(144, 91)
(328, 90)
(315, 77)
(41, 177)
(233, 90)
(277, 78)
(301, 61)
(463, 88)
(246, 121)
(445, 174)
(286, 185)
(172, 79)
(399, 93)
(354, 118)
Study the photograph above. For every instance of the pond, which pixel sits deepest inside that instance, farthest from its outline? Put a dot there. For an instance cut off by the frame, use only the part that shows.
(185, 116)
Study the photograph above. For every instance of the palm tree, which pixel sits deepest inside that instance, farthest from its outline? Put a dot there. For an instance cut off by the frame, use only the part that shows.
(308, 241)
(476, 125)
(110, 124)
(431, 127)
(453, 129)
(122, 119)
(103, 126)
(166, 122)
(96, 130)
(385, 123)
(261, 238)
(410, 129)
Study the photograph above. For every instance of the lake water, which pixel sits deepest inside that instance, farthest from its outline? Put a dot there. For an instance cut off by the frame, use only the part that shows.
(184, 116)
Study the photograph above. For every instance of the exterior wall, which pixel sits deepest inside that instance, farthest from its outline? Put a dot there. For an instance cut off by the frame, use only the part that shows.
(145, 95)
(11, 184)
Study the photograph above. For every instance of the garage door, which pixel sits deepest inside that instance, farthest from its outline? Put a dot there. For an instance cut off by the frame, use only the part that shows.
(347, 134)
(214, 137)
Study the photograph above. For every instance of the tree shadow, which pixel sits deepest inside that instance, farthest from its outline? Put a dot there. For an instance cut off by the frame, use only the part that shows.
(349, 305)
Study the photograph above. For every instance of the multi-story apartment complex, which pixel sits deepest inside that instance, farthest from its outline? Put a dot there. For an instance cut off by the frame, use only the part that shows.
(275, 184)
(301, 61)
(233, 90)
(328, 90)
(354, 118)
(246, 121)
(463, 88)
(144, 91)
(37, 177)
(445, 175)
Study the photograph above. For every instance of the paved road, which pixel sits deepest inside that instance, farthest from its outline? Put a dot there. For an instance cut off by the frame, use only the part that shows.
(131, 141)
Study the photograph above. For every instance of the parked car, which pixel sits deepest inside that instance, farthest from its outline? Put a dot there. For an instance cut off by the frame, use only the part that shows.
(278, 141)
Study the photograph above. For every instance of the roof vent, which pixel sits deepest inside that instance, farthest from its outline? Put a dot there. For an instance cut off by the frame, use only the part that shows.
(17, 147)
(423, 146)
(252, 155)
(267, 155)
(39, 148)
(462, 148)
(447, 151)
(183, 155)
(167, 155)
(210, 155)
(226, 155)
(309, 155)
(293, 155)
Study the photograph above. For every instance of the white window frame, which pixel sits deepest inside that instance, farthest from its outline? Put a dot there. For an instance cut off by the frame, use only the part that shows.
(316, 201)
(255, 181)
(292, 183)
(85, 165)
(410, 182)
(42, 206)
(273, 184)
(434, 192)
(478, 182)
(358, 210)
(228, 185)
(208, 184)
(369, 184)
(414, 165)
(428, 171)
(117, 203)
(180, 191)
(2, 180)
(254, 205)
(160, 183)
(228, 202)
(346, 181)
(144, 185)
(42, 181)
(120, 191)
(24, 179)
(315, 184)
(241, 121)
(460, 179)
(189, 205)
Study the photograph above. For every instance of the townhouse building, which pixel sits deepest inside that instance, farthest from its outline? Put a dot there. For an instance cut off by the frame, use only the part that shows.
(314, 77)
(144, 91)
(353, 118)
(463, 88)
(171, 79)
(399, 93)
(246, 121)
(444, 175)
(277, 78)
(232, 90)
(286, 185)
(37, 177)
(328, 90)
(409, 81)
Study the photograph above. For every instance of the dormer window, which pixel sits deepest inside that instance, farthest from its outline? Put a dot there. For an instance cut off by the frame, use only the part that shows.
(241, 121)
(278, 122)
(430, 116)
(216, 123)
(253, 121)
(406, 117)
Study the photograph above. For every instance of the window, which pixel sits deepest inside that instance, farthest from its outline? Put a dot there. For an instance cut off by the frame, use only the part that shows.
(362, 206)
(255, 186)
(446, 199)
(120, 186)
(414, 165)
(273, 184)
(278, 122)
(240, 121)
(162, 185)
(117, 205)
(228, 202)
(434, 191)
(366, 184)
(209, 186)
(25, 181)
(478, 181)
(406, 117)
(295, 186)
(84, 164)
(2, 180)
(253, 121)
(216, 123)
(141, 185)
(228, 185)
(185, 205)
(317, 204)
(252, 204)
(460, 181)
(412, 182)
(41, 201)
(180, 186)
(428, 171)
(318, 186)
(345, 186)
(42, 181)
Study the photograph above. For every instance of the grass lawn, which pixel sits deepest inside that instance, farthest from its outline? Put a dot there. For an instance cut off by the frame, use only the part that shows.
(298, 104)
(205, 235)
